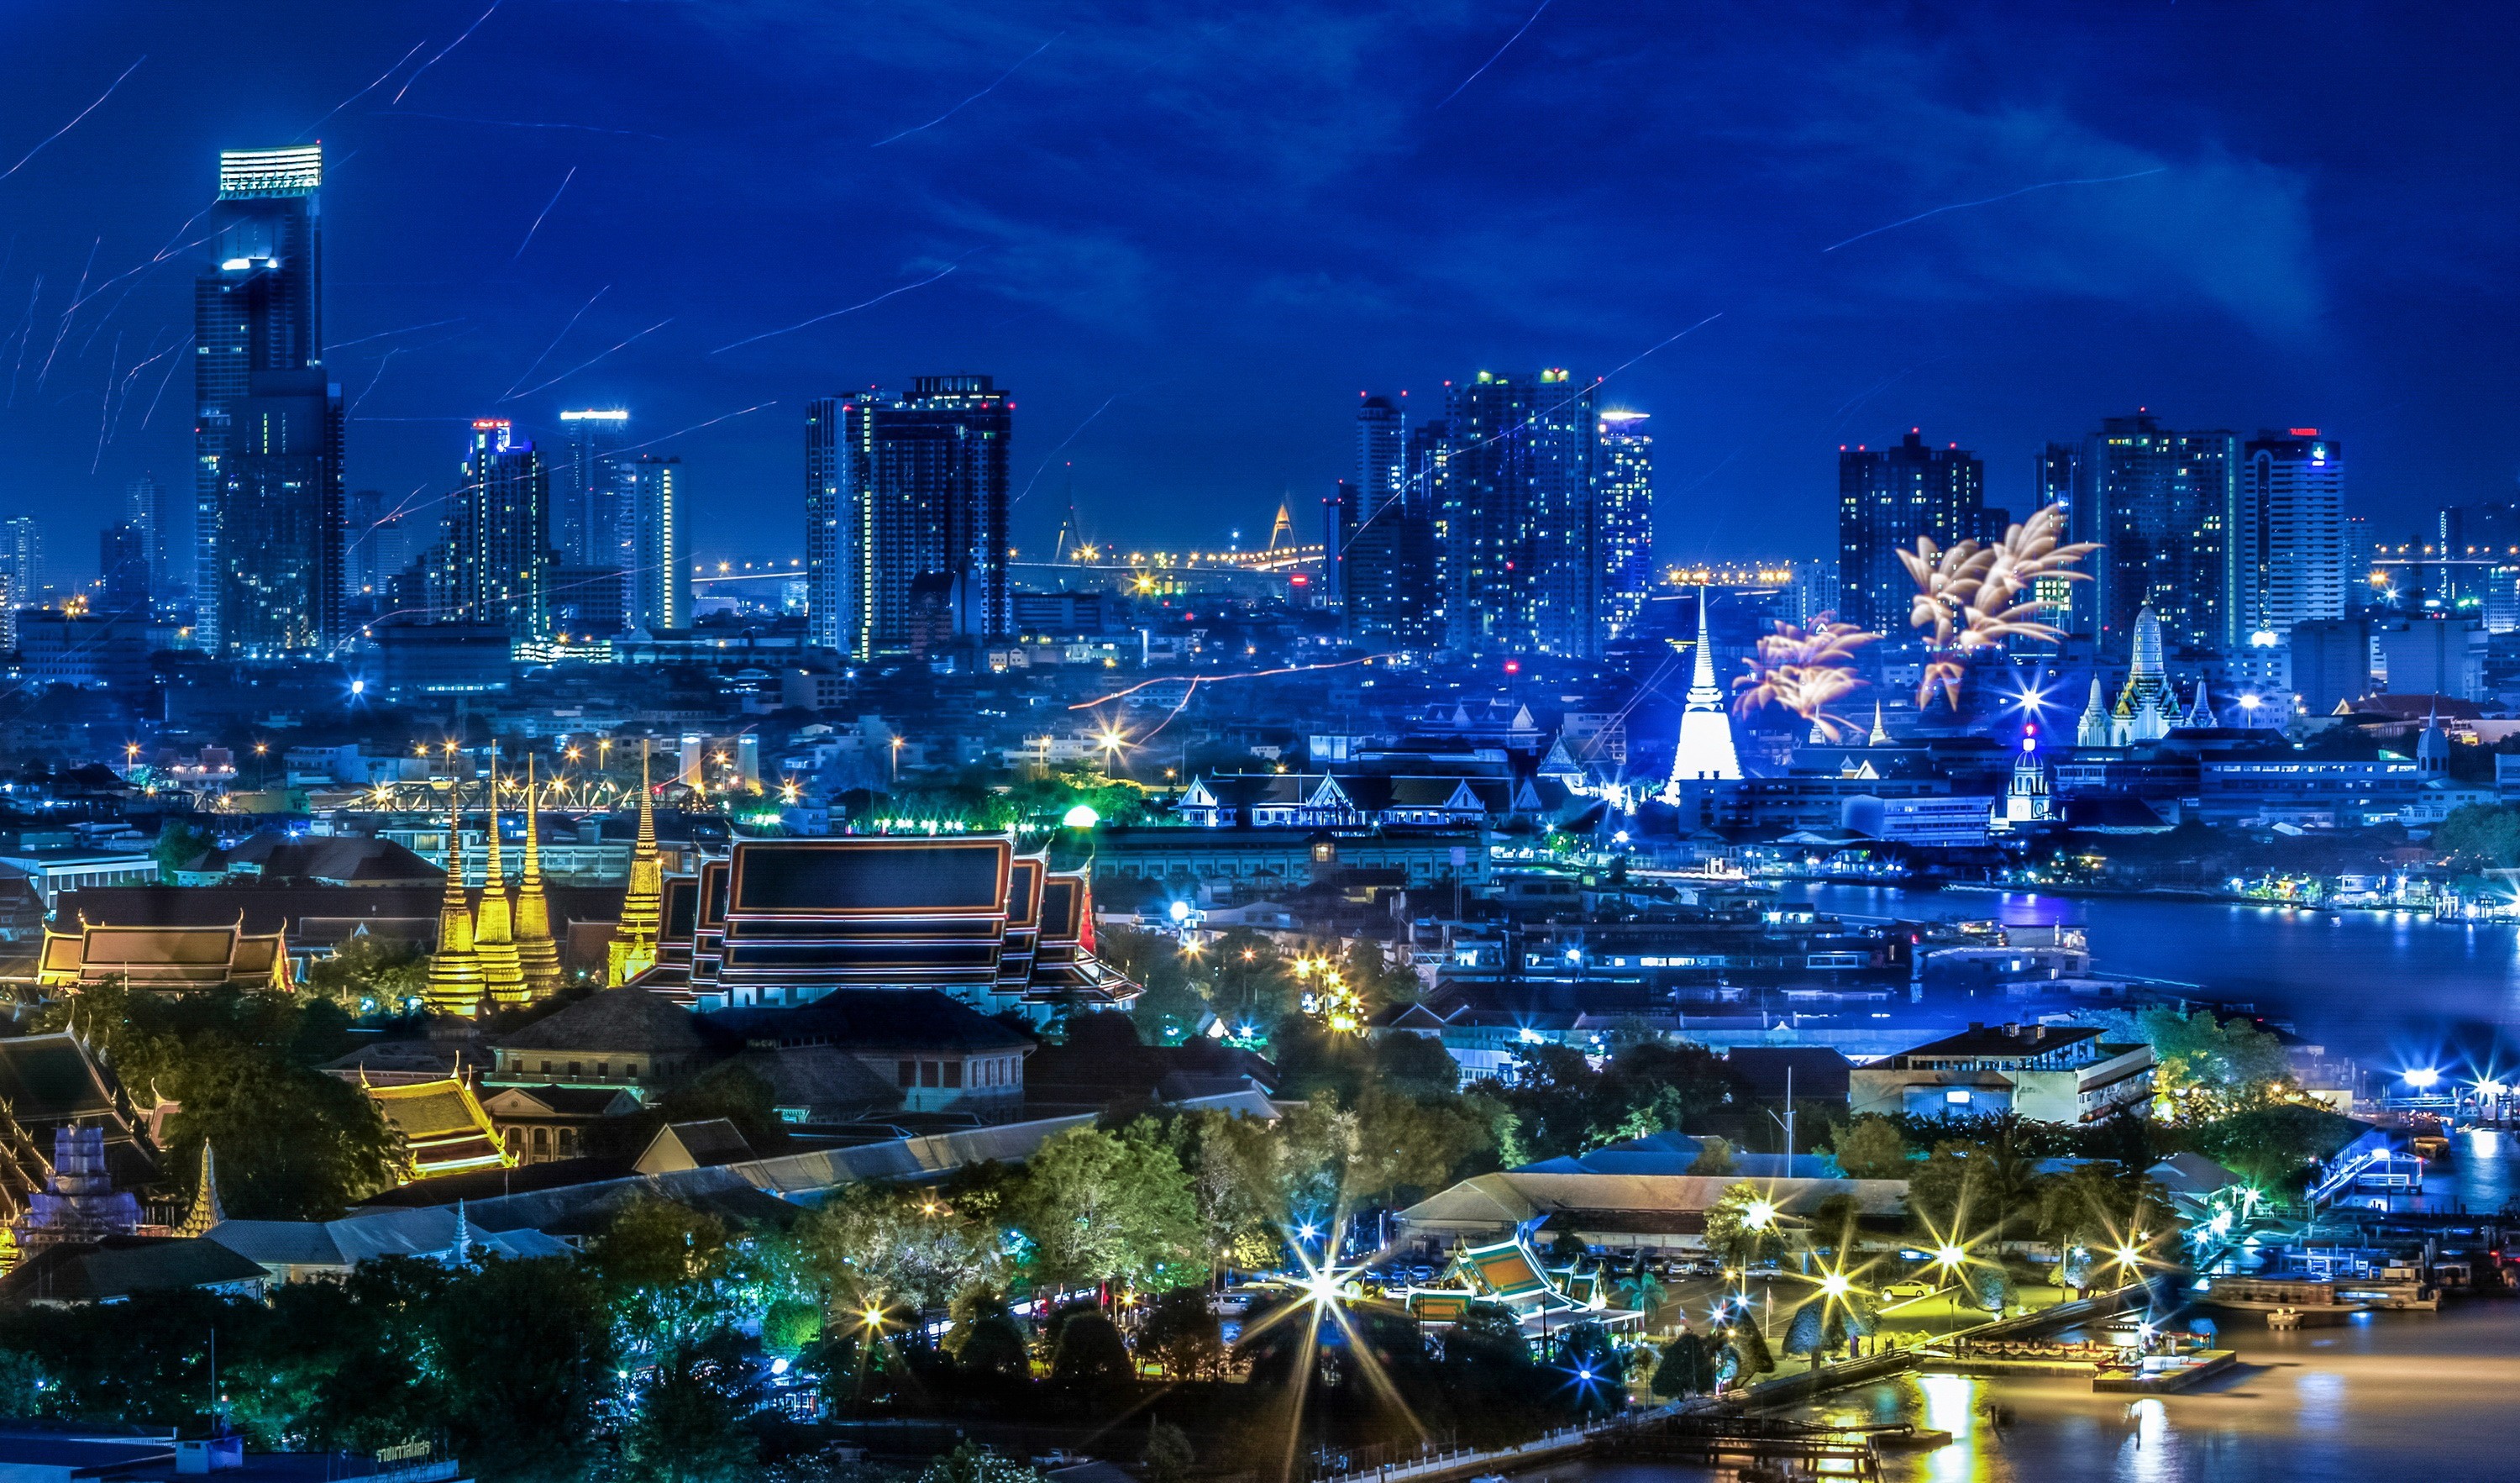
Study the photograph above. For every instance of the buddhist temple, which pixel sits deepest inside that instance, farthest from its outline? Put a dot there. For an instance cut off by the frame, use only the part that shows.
(494, 934)
(537, 954)
(634, 940)
(455, 982)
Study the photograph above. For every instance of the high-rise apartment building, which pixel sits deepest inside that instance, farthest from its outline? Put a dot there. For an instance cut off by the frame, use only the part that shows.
(145, 510)
(659, 574)
(2288, 558)
(1519, 562)
(381, 540)
(498, 544)
(830, 589)
(1624, 493)
(2160, 504)
(21, 560)
(122, 570)
(268, 421)
(921, 504)
(1383, 539)
(1886, 498)
(587, 494)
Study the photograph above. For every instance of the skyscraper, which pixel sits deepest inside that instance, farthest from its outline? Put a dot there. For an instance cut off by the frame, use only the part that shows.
(2288, 562)
(921, 505)
(1625, 493)
(1886, 498)
(21, 560)
(660, 560)
(1383, 542)
(381, 539)
(587, 494)
(122, 569)
(144, 510)
(2159, 502)
(1518, 563)
(498, 542)
(829, 574)
(268, 420)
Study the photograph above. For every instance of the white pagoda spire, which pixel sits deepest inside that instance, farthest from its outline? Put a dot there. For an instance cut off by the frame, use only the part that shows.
(1705, 726)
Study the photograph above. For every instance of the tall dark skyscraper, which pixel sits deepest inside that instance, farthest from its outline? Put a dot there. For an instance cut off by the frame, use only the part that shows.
(588, 490)
(145, 511)
(122, 569)
(1518, 555)
(1624, 478)
(2160, 503)
(268, 420)
(831, 587)
(1384, 538)
(498, 544)
(1886, 498)
(921, 506)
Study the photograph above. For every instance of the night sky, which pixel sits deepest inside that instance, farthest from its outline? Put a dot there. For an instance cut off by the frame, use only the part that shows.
(1187, 236)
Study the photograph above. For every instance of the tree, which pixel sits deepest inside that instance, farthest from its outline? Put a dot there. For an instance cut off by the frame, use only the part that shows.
(689, 1423)
(1091, 1360)
(1807, 1336)
(1168, 1456)
(294, 1144)
(178, 845)
(659, 1266)
(972, 1462)
(367, 975)
(1182, 1336)
(1742, 1227)
(1869, 1148)
(526, 1364)
(874, 1244)
(1750, 1348)
(1714, 1156)
(1687, 1369)
(986, 1339)
(2206, 1067)
(1833, 1224)
(1991, 1286)
(1098, 1205)
(1585, 1351)
(2480, 837)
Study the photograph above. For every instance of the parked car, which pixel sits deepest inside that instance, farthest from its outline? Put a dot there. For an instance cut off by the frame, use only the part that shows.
(1910, 1288)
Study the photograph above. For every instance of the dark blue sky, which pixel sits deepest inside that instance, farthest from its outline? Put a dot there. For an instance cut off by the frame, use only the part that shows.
(1187, 234)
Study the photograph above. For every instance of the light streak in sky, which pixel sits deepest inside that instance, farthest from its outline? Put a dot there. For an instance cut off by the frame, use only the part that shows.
(63, 331)
(344, 344)
(546, 211)
(161, 386)
(75, 122)
(517, 123)
(23, 335)
(1499, 51)
(1064, 442)
(365, 91)
(1963, 205)
(696, 426)
(105, 403)
(555, 339)
(589, 361)
(390, 353)
(441, 56)
(974, 97)
(837, 313)
(1195, 681)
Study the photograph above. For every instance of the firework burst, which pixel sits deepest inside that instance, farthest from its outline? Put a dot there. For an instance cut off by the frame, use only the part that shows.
(1974, 595)
(1806, 671)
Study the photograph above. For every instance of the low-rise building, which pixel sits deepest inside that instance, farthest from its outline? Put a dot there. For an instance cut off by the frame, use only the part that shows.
(2042, 1072)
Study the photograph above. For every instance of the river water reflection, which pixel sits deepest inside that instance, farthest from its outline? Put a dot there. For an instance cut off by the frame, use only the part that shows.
(2373, 984)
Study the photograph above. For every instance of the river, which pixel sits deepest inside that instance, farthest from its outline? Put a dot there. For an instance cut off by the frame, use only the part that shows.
(2381, 986)
(2390, 1395)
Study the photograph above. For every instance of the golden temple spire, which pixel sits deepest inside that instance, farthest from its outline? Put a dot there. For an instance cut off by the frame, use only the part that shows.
(454, 984)
(643, 905)
(494, 933)
(536, 954)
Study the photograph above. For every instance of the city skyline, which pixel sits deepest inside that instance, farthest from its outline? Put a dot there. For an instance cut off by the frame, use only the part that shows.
(440, 301)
